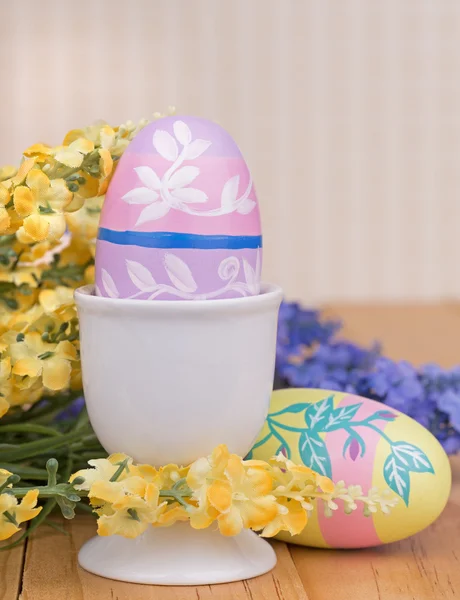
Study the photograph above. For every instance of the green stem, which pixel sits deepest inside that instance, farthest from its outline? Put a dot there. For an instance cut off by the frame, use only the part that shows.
(177, 497)
(30, 449)
(45, 491)
(26, 472)
(120, 470)
(29, 428)
(179, 483)
(85, 508)
(10, 518)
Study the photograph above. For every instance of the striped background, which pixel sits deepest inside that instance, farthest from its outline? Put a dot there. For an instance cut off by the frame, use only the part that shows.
(348, 112)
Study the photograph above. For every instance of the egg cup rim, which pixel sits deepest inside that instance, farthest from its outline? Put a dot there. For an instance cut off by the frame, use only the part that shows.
(269, 297)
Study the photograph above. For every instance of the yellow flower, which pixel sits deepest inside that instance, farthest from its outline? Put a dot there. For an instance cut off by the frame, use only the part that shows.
(27, 275)
(291, 517)
(107, 137)
(54, 300)
(89, 274)
(4, 474)
(22, 395)
(31, 254)
(105, 163)
(35, 205)
(7, 172)
(132, 515)
(203, 474)
(246, 500)
(21, 174)
(5, 220)
(37, 228)
(115, 492)
(5, 387)
(225, 490)
(73, 154)
(23, 320)
(16, 513)
(41, 203)
(103, 469)
(84, 223)
(292, 476)
(237, 494)
(204, 470)
(169, 475)
(39, 151)
(172, 514)
(33, 358)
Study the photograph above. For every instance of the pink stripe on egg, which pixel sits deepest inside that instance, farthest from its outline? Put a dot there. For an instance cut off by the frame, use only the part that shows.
(214, 174)
(354, 530)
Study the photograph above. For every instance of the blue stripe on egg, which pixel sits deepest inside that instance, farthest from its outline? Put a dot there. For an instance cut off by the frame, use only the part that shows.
(163, 239)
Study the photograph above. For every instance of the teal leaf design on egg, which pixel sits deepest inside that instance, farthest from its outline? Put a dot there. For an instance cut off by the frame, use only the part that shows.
(412, 457)
(293, 408)
(317, 414)
(314, 454)
(341, 416)
(397, 477)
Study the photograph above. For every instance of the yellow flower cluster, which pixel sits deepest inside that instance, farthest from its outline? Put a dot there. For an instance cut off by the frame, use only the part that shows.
(49, 215)
(222, 488)
(12, 513)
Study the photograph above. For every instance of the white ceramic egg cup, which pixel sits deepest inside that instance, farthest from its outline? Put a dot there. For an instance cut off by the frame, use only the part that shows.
(166, 382)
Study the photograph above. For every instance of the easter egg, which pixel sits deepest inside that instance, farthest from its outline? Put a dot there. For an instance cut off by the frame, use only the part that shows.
(361, 442)
(180, 219)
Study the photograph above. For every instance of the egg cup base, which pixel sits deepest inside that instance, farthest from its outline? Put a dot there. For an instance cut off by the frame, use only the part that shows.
(178, 555)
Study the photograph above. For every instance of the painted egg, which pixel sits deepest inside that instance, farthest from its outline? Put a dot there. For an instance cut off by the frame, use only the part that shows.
(180, 219)
(361, 442)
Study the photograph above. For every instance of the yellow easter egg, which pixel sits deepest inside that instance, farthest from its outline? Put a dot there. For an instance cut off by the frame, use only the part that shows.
(361, 442)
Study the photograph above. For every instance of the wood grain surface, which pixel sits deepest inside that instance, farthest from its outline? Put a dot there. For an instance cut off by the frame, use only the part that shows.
(424, 567)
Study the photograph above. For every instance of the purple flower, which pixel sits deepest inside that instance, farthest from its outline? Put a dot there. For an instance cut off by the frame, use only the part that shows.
(452, 443)
(396, 383)
(73, 410)
(449, 402)
(309, 356)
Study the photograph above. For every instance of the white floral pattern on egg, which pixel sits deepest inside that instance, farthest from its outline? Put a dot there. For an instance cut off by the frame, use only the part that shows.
(181, 218)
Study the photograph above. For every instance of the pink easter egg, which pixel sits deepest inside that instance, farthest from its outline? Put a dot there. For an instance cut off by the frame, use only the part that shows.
(180, 219)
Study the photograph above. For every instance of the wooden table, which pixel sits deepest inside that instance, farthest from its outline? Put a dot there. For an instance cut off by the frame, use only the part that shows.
(426, 566)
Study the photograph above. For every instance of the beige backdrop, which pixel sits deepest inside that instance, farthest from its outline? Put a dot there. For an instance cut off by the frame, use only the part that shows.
(348, 112)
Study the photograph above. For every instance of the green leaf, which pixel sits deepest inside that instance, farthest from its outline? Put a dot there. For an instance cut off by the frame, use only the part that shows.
(23, 451)
(317, 414)
(397, 476)
(29, 428)
(412, 457)
(341, 416)
(314, 454)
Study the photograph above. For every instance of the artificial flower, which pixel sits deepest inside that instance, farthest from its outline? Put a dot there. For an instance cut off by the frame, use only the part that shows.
(245, 499)
(103, 469)
(264, 496)
(33, 358)
(12, 513)
(132, 515)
